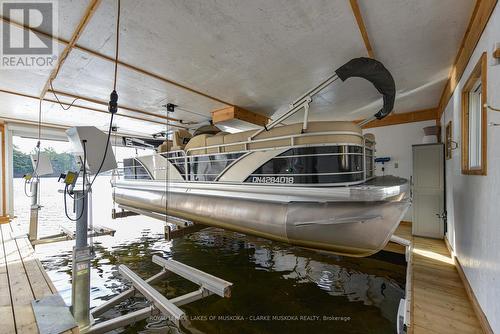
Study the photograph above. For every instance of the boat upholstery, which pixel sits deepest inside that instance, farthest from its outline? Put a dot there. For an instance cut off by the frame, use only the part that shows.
(286, 130)
(180, 139)
(165, 146)
(370, 140)
(197, 141)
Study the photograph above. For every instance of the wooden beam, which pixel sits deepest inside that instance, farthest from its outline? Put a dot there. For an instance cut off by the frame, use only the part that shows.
(104, 103)
(89, 12)
(407, 117)
(4, 169)
(362, 28)
(89, 108)
(479, 19)
(236, 113)
(496, 53)
(121, 63)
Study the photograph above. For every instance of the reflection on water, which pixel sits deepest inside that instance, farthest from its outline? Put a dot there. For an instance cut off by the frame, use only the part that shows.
(277, 288)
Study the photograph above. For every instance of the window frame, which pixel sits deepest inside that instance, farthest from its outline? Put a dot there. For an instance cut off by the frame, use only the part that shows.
(479, 73)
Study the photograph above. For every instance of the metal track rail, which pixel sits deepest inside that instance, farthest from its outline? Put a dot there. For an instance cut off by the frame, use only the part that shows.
(208, 285)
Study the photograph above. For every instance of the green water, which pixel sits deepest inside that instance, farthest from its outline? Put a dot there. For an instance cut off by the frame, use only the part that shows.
(312, 292)
(305, 291)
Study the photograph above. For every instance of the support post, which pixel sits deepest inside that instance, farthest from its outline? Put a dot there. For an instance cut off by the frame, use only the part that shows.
(35, 207)
(80, 294)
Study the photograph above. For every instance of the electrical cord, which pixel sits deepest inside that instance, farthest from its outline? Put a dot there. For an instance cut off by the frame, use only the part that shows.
(58, 101)
(492, 108)
(84, 191)
(105, 151)
(26, 182)
(35, 170)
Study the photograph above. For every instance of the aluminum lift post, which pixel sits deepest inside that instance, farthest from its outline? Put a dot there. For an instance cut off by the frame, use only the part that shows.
(80, 292)
(35, 207)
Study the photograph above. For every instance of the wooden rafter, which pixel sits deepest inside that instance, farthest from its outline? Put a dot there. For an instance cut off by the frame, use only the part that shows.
(479, 19)
(362, 28)
(89, 12)
(104, 103)
(401, 118)
(92, 109)
(121, 63)
(496, 53)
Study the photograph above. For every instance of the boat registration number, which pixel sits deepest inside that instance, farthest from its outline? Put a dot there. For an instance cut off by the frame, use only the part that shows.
(272, 179)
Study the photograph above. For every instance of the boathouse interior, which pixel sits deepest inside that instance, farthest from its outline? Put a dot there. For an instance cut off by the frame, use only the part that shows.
(183, 82)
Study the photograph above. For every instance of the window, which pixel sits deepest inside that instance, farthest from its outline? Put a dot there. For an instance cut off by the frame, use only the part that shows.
(474, 121)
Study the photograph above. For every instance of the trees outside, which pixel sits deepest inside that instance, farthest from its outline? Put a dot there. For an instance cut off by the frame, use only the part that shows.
(61, 162)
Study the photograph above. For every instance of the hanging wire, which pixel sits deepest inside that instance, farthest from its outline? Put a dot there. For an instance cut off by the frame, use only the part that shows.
(82, 198)
(492, 108)
(117, 46)
(59, 101)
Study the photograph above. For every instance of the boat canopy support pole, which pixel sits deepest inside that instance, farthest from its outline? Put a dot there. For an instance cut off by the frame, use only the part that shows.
(298, 104)
(366, 68)
(208, 285)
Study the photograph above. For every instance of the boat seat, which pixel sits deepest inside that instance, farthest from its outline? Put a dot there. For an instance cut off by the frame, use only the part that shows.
(370, 139)
(180, 139)
(222, 133)
(197, 141)
(215, 140)
(165, 146)
(353, 135)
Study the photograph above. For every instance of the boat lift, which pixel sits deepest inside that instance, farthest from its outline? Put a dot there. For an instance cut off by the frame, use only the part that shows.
(42, 166)
(82, 137)
(159, 304)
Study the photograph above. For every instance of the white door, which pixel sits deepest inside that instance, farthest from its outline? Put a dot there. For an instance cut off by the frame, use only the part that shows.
(428, 190)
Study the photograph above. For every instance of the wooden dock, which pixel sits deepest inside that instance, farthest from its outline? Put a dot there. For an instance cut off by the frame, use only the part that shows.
(440, 303)
(22, 280)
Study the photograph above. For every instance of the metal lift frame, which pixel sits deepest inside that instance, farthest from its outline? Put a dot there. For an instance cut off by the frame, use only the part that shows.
(208, 285)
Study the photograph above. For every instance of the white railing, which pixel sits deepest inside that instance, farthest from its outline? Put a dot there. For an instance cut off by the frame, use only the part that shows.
(182, 157)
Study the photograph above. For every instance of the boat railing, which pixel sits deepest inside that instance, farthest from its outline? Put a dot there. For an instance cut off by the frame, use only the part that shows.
(270, 139)
(185, 158)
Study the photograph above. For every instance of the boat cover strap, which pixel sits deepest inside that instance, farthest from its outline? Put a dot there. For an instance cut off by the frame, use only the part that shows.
(373, 71)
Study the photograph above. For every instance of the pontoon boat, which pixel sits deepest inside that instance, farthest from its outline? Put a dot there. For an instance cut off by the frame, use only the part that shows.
(311, 184)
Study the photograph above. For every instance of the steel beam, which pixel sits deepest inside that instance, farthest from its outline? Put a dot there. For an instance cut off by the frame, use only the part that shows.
(165, 306)
(213, 284)
(124, 295)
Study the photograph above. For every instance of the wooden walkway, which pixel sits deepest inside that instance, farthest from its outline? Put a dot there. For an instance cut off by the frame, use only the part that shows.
(22, 280)
(440, 303)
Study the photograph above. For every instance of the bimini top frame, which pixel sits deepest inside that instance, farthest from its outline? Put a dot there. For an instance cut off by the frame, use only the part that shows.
(366, 68)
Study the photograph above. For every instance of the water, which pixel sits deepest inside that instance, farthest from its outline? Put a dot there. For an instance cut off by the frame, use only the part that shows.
(305, 291)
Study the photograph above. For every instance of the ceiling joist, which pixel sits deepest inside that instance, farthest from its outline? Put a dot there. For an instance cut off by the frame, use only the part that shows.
(402, 118)
(496, 53)
(121, 63)
(89, 108)
(479, 19)
(89, 12)
(104, 103)
(362, 28)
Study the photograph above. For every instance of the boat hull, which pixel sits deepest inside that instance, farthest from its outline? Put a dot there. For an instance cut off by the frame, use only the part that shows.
(348, 227)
